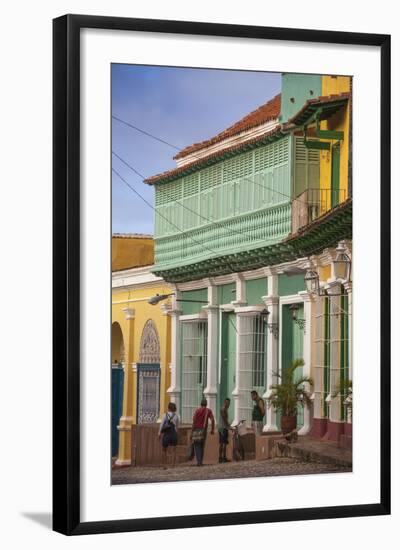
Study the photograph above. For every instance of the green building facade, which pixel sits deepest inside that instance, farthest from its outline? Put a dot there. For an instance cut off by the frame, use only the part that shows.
(227, 235)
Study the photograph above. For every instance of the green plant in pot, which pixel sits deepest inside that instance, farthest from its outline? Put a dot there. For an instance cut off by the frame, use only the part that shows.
(288, 393)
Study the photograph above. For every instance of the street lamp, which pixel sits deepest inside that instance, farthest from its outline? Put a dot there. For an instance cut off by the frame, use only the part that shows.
(294, 308)
(273, 327)
(154, 300)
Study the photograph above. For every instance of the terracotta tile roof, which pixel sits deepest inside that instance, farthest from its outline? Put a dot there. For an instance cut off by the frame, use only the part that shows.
(213, 157)
(310, 105)
(131, 236)
(266, 112)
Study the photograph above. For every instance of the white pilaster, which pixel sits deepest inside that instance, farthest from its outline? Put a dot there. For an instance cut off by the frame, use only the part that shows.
(175, 388)
(240, 298)
(308, 337)
(272, 303)
(211, 390)
(334, 402)
(349, 289)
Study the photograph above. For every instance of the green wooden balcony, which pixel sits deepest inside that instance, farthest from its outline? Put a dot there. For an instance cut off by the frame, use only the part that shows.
(242, 233)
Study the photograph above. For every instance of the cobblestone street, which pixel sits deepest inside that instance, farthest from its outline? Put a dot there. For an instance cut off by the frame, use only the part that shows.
(248, 468)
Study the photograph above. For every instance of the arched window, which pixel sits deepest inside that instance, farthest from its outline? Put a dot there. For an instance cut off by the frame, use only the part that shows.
(149, 344)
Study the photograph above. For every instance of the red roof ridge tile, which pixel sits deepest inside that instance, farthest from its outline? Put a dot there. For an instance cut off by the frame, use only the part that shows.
(264, 113)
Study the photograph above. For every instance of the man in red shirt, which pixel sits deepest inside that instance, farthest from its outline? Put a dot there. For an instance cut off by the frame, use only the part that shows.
(199, 429)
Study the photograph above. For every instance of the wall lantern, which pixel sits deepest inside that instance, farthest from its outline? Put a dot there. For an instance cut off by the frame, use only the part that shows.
(294, 308)
(341, 264)
(341, 271)
(273, 327)
(154, 300)
(311, 278)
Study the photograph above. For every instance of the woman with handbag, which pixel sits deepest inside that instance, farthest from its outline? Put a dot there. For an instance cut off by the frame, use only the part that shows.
(199, 429)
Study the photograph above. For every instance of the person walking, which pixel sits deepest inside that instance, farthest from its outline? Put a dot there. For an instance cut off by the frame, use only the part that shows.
(199, 429)
(223, 430)
(168, 433)
(257, 417)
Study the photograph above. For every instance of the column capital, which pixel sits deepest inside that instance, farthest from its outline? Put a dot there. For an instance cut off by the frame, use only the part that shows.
(238, 303)
(248, 311)
(129, 313)
(175, 312)
(348, 286)
(307, 296)
(165, 308)
(270, 300)
(332, 286)
(210, 308)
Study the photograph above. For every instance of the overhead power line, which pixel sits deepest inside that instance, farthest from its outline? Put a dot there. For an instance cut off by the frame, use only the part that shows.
(162, 215)
(220, 224)
(148, 134)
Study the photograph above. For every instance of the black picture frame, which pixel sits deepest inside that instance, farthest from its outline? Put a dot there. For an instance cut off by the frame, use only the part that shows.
(66, 273)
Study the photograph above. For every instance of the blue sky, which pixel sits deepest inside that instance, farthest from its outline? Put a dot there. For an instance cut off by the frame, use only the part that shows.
(181, 106)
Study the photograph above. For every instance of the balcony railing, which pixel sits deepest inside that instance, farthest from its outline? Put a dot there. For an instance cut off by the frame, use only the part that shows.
(313, 203)
(262, 227)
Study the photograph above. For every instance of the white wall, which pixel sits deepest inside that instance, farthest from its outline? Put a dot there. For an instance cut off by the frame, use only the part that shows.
(26, 220)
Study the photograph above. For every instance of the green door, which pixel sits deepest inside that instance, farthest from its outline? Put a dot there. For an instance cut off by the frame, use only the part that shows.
(292, 347)
(228, 356)
(335, 176)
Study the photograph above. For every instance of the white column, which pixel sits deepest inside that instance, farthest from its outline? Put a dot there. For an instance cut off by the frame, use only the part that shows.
(236, 394)
(334, 402)
(211, 390)
(308, 338)
(175, 388)
(272, 303)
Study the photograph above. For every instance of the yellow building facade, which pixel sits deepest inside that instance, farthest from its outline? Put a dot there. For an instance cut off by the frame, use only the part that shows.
(140, 342)
(334, 163)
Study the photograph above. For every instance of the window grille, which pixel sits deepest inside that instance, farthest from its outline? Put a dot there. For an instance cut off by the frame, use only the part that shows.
(168, 192)
(191, 185)
(327, 355)
(194, 366)
(252, 362)
(344, 353)
(271, 155)
(323, 352)
(239, 166)
(210, 177)
(148, 394)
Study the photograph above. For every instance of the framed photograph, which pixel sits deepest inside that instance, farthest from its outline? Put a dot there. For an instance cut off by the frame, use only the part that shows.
(221, 274)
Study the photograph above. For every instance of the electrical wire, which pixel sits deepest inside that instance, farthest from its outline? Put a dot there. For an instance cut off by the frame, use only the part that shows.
(219, 224)
(162, 216)
(148, 134)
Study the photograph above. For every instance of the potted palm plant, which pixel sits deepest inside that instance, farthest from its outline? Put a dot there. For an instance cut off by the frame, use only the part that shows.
(288, 394)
